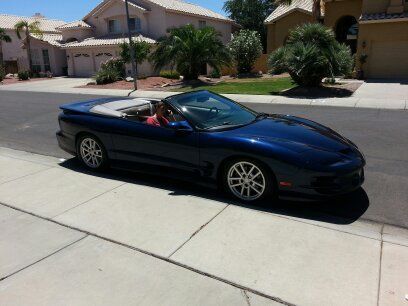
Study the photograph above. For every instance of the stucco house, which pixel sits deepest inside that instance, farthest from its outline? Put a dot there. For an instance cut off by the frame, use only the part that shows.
(81, 46)
(377, 29)
(96, 37)
(47, 54)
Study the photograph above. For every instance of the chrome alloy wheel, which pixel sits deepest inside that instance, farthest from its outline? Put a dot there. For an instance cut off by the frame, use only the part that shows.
(91, 153)
(246, 181)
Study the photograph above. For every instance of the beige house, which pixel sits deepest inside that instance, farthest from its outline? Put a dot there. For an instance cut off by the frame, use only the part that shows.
(78, 48)
(377, 29)
(47, 54)
(93, 40)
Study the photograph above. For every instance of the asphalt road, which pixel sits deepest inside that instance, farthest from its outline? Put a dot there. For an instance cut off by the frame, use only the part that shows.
(28, 121)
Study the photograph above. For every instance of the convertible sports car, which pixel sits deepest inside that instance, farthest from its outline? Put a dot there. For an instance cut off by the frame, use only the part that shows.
(209, 137)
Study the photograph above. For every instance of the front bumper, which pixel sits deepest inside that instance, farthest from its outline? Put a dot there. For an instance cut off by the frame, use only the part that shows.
(317, 186)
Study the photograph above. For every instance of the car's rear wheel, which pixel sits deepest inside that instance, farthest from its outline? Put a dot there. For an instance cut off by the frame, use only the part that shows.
(91, 152)
(248, 180)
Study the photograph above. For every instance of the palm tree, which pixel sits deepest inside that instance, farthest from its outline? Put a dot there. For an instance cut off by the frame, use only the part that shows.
(3, 37)
(189, 49)
(28, 29)
(317, 7)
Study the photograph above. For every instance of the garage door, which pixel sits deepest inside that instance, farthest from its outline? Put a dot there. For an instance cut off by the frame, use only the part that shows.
(83, 65)
(101, 58)
(388, 60)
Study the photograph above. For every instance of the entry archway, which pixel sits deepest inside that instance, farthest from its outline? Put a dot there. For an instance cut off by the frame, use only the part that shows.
(347, 31)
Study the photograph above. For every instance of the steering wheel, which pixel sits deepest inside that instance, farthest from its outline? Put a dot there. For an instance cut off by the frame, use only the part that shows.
(213, 112)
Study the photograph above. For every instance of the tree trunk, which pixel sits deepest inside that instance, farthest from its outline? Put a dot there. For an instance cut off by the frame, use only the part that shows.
(317, 14)
(30, 62)
(1, 54)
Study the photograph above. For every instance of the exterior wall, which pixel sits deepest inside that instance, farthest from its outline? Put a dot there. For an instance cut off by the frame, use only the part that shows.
(371, 33)
(279, 30)
(116, 11)
(79, 34)
(336, 9)
(377, 6)
(176, 20)
(57, 56)
(12, 51)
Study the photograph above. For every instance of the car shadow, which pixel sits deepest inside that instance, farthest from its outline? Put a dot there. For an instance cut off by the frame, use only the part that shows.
(344, 209)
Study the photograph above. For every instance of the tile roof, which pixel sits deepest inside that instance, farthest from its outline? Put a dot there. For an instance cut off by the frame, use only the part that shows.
(47, 25)
(53, 39)
(188, 8)
(383, 16)
(74, 25)
(105, 41)
(283, 10)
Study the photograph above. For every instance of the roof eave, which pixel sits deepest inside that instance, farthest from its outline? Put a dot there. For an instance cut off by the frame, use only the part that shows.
(287, 13)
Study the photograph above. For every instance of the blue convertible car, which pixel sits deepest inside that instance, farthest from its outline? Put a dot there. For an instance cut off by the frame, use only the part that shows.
(209, 137)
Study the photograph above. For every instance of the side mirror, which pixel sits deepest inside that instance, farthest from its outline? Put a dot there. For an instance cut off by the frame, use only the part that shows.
(182, 126)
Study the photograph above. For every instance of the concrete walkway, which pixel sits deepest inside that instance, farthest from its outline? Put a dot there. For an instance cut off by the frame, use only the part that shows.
(74, 238)
(369, 95)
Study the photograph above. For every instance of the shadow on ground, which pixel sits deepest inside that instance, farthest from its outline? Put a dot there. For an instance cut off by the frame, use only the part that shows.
(341, 210)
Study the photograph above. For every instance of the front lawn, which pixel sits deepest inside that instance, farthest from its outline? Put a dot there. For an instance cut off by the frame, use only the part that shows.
(271, 86)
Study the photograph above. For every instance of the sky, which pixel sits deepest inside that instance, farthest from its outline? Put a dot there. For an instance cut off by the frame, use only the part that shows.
(70, 10)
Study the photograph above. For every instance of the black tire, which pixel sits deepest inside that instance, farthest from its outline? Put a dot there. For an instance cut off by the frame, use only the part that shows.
(266, 178)
(100, 160)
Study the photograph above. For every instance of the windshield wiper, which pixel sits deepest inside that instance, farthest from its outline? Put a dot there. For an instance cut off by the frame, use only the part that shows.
(261, 116)
(225, 123)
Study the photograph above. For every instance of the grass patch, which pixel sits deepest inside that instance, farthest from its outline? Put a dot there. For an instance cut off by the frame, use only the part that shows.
(248, 86)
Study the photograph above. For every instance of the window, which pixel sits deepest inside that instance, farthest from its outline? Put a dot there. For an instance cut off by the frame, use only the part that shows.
(135, 24)
(46, 60)
(114, 26)
(202, 24)
(207, 110)
(36, 60)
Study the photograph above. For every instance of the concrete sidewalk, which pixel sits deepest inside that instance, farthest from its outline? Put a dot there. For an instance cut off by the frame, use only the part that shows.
(368, 96)
(76, 238)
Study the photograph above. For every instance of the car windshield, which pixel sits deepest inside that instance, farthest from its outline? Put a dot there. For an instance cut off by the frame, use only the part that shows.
(207, 110)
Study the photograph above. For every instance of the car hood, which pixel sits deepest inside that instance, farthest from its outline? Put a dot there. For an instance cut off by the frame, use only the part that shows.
(296, 134)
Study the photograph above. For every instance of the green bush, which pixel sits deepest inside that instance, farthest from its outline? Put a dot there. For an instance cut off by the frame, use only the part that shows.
(111, 71)
(246, 48)
(23, 75)
(311, 54)
(169, 74)
(2, 73)
(215, 74)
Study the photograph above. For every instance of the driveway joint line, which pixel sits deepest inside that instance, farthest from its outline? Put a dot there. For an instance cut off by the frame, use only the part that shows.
(159, 257)
(27, 175)
(197, 231)
(380, 266)
(41, 259)
(93, 198)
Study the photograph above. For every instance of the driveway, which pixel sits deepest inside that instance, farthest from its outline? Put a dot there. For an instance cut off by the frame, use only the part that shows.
(383, 89)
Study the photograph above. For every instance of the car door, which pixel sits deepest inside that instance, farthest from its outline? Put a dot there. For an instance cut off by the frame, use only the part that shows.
(152, 145)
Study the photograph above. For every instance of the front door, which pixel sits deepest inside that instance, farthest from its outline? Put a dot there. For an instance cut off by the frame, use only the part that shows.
(158, 146)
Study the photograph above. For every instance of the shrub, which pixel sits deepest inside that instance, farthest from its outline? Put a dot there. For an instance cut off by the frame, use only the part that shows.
(2, 73)
(170, 74)
(23, 75)
(215, 74)
(189, 49)
(111, 71)
(246, 48)
(311, 54)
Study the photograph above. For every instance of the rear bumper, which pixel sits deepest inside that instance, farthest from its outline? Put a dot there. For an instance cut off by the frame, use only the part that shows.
(66, 142)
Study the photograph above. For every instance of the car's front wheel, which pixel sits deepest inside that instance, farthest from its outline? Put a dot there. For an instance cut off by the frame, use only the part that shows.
(248, 180)
(91, 152)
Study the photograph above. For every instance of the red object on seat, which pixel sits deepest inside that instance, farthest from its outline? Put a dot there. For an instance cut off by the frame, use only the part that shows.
(157, 121)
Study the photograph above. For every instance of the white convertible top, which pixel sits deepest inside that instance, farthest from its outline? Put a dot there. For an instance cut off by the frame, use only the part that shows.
(115, 108)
